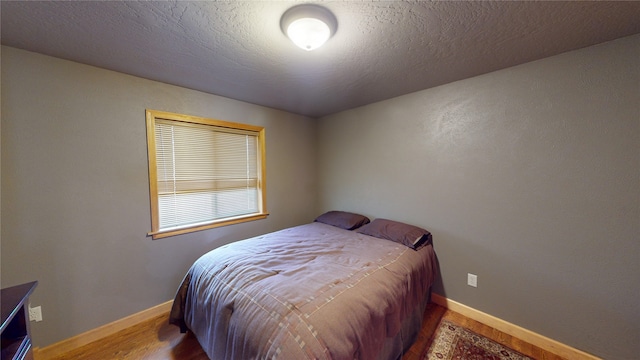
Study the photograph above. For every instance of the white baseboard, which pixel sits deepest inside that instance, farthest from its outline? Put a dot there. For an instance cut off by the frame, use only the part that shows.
(538, 340)
(53, 350)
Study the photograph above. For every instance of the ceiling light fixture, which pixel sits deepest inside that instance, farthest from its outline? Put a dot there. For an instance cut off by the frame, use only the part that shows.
(308, 26)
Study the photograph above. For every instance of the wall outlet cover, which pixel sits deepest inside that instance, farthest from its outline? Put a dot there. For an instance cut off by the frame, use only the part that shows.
(35, 314)
(472, 280)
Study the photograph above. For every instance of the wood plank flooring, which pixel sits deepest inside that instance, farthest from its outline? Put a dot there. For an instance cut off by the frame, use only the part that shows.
(156, 339)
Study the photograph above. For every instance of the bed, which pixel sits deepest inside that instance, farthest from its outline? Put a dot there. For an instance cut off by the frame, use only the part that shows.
(323, 290)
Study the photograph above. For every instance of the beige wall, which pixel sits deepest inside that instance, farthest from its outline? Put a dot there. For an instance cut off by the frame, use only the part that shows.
(527, 177)
(75, 192)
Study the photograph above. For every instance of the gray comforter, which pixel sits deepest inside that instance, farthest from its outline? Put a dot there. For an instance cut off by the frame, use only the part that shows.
(309, 292)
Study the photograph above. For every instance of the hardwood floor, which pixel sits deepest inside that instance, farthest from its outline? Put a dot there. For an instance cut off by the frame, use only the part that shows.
(156, 339)
(151, 339)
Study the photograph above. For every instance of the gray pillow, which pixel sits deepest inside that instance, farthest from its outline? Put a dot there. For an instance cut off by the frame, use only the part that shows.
(342, 219)
(409, 235)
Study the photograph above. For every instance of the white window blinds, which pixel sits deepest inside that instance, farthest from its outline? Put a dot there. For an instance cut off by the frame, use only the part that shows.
(204, 173)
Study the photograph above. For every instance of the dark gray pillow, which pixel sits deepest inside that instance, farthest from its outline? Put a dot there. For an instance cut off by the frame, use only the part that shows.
(409, 235)
(342, 219)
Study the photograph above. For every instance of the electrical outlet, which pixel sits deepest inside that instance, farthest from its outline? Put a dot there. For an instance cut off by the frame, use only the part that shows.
(35, 314)
(472, 280)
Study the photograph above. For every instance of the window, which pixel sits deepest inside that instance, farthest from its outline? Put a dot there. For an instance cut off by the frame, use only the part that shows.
(203, 173)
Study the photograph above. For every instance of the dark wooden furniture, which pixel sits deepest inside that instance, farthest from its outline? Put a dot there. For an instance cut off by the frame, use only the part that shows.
(16, 338)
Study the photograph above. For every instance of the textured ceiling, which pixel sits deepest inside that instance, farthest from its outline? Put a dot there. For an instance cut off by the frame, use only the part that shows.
(382, 49)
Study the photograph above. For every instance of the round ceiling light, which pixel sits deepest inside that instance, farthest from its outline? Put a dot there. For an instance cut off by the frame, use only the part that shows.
(308, 26)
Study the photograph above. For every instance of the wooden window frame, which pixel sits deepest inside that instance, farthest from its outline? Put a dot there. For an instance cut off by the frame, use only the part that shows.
(156, 231)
